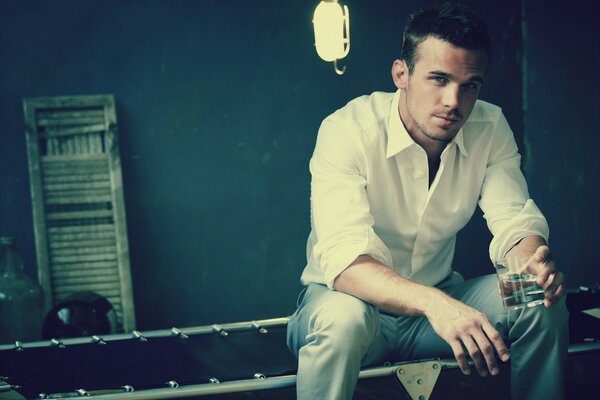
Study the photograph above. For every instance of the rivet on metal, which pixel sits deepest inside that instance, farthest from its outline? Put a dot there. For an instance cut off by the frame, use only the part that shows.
(18, 346)
(178, 333)
(98, 340)
(421, 397)
(57, 343)
(258, 375)
(138, 335)
(128, 388)
(172, 384)
(260, 328)
(420, 381)
(82, 392)
(436, 366)
(402, 371)
(219, 329)
(42, 396)
(214, 380)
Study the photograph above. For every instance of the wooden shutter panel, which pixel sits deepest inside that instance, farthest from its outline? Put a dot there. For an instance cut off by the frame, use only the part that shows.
(77, 197)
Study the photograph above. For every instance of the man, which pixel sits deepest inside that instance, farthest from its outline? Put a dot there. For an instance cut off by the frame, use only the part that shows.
(394, 178)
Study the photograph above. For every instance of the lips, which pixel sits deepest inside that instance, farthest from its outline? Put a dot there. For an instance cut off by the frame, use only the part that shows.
(446, 121)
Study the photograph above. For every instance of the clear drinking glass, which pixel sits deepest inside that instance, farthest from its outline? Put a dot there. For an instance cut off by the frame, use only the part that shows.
(516, 280)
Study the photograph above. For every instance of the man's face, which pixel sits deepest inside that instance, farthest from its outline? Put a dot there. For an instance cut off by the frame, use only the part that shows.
(439, 95)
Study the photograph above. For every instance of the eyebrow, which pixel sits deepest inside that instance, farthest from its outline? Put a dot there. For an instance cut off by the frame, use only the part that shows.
(475, 78)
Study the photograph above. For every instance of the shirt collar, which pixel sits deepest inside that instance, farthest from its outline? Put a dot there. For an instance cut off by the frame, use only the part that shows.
(398, 137)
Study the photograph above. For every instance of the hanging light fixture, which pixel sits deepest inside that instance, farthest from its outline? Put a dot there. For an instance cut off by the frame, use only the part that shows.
(332, 32)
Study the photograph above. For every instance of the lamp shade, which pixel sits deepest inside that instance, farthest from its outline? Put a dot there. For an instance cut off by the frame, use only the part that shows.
(330, 20)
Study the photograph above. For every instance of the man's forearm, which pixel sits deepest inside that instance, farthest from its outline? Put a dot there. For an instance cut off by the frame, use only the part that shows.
(525, 247)
(373, 282)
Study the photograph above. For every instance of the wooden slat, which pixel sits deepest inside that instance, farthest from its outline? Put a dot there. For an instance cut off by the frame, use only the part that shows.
(60, 114)
(82, 287)
(74, 168)
(84, 266)
(67, 244)
(105, 291)
(74, 130)
(63, 234)
(82, 258)
(115, 300)
(79, 196)
(78, 177)
(112, 272)
(50, 162)
(56, 216)
(86, 120)
(72, 186)
(74, 251)
(64, 282)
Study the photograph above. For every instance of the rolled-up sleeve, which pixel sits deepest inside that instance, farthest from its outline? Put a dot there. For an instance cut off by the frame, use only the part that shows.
(341, 217)
(509, 211)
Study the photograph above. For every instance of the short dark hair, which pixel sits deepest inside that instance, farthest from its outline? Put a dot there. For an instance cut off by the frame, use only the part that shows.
(451, 22)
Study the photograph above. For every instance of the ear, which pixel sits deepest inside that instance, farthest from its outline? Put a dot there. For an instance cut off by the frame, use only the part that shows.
(400, 74)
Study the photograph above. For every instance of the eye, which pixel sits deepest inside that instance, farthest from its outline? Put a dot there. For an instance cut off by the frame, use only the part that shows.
(471, 86)
(439, 80)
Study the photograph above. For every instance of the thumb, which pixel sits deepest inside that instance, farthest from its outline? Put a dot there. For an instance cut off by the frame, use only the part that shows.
(541, 254)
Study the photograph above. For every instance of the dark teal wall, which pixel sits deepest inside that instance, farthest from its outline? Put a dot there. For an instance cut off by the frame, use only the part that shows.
(562, 126)
(218, 104)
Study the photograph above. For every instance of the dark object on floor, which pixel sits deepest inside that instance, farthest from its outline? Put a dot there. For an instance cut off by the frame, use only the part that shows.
(80, 314)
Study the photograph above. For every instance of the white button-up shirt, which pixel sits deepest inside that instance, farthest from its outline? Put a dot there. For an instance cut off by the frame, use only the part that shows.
(370, 192)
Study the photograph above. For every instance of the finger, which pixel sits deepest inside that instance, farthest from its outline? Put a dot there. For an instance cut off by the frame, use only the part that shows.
(475, 353)
(554, 281)
(548, 284)
(547, 269)
(549, 302)
(497, 341)
(487, 351)
(461, 359)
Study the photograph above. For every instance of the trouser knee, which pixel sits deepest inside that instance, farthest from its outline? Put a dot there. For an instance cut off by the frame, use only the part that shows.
(342, 321)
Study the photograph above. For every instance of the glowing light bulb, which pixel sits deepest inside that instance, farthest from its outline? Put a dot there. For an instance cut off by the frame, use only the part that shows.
(332, 32)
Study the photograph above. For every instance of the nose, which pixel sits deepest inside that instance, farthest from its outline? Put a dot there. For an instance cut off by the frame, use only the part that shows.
(451, 97)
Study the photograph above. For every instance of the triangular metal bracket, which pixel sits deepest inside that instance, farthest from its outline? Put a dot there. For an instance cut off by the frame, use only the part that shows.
(419, 378)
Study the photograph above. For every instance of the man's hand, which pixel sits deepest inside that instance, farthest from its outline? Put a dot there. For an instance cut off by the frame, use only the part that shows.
(547, 276)
(540, 264)
(465, 328)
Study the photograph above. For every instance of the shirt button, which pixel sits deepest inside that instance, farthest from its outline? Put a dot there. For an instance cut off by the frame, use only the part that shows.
(419, 174)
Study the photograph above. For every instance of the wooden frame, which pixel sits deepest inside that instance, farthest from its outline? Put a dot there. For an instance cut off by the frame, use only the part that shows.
(77, 200)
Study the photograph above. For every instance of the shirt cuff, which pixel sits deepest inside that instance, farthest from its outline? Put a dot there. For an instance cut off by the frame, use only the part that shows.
(334, 258)
(528, 222)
